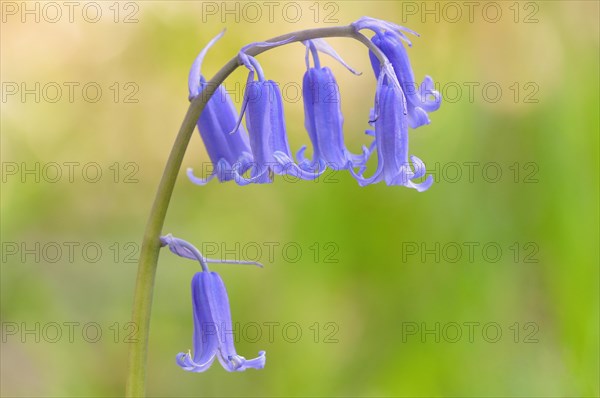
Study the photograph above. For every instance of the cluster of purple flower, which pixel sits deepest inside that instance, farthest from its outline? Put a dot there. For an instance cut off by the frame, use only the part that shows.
(257, 155)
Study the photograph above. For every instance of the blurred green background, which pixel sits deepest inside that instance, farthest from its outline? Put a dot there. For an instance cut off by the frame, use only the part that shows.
(384, 302)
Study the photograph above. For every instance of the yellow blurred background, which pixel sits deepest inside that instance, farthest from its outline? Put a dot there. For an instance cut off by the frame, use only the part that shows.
(485, 285)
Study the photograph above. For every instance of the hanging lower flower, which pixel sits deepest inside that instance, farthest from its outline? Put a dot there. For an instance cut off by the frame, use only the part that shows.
(391, 141)
(389, 39)
(213, 335)
(217, 121)
(323, 117)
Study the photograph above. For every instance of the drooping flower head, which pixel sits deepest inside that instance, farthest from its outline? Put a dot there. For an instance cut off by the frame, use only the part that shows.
(263, 110)
(213, 332)
(397, 106)
(217, 121)
(391, 141)
(390, 39)
(323, 115)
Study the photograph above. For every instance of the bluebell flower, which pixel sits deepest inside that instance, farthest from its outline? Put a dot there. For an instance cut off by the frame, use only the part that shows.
(323, 118)
(213, 332)
(265, 120)
(391, 142)
(217, 121)
(389, 39)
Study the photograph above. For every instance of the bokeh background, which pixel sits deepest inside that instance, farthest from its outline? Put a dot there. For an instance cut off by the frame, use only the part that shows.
(378, 301)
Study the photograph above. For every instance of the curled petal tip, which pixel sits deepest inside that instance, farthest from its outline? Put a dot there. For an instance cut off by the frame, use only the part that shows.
(258, 362)
(429, 98)
(198, 180)
(417, 117)
(237, 363)
(186, 362)
(293, 169)
(422, 186)
(418, 166)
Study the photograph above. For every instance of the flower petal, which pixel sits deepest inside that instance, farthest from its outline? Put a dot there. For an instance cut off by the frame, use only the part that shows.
(257, 176)
(222, 171)
(238, 363)
(430, 98)
(219, 304)
(265, 121)
(418, 166)
(422, 186)
(291, 168)
(375, 178)
(217, 120)
(324, 119)
(205, 339)
(417, 117)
